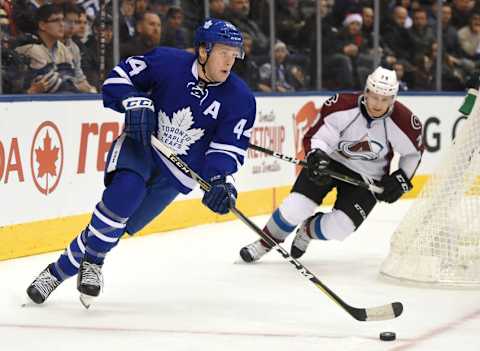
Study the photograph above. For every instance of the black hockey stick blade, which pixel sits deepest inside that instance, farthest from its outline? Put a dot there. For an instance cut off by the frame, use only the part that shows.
(333, 174)
(378, 313)
(388, 311)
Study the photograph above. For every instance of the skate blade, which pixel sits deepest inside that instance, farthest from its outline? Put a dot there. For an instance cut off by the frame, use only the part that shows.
(86, 300)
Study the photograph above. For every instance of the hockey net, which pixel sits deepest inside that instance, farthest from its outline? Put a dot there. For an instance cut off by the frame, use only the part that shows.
(438, 241)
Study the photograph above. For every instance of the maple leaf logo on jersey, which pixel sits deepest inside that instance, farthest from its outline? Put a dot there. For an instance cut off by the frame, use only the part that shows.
(177, 133)
(363, 149)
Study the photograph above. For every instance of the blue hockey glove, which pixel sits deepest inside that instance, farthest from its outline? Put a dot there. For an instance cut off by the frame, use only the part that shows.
(220, 196)
(317, 162)
(140, 119)
(394, 186)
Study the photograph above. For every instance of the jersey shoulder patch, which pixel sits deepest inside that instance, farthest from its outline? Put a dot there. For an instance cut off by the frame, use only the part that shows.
(407, 121)
(339, 102)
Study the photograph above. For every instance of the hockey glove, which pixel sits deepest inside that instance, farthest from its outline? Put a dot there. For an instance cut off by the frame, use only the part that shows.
(140, 120)
(221, 196)
(394, 186)
(317, 162)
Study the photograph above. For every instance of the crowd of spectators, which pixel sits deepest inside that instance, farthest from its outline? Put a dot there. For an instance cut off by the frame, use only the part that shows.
(60, 46)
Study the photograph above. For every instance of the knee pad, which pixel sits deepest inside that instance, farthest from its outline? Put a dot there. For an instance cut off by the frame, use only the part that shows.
(293, 210)
(124, 193)
(296, 208)
(336, 225)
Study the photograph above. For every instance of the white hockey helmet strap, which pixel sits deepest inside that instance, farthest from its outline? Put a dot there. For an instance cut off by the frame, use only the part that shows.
(382, 82)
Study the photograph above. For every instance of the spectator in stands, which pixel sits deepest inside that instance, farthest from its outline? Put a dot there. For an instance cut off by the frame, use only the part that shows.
(453, 77)
(24, 15)
(399, 68)
(342, 8)
(51, 66)
(92, 8)
(259, 13)
(351, 43)
(83, 30)
(161, 7)
(6, 19)
(13, 66)
(455, 58)
(71, 15)
(469, 37)
(407, 5)
(423, 78)
(91, 64)
(149, 32)
(193, 15)
(247, 68)
(127, 20)
(288, 77)
(141, 6)
(336, 67)
(396, 38)
(289, 21)
(461, 10)
(421, 33)
(367, 21)
(217, 8)
(449, 33)
(173, 33)
(237, 13)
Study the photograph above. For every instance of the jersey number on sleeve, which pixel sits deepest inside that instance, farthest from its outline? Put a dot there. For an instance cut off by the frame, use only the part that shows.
(238, 129)
(137, 66)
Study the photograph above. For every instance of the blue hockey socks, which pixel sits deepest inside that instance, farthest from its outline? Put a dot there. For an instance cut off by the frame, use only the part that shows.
(120, 199)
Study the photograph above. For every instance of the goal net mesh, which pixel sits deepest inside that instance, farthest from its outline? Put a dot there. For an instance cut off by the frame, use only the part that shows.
(438, 241)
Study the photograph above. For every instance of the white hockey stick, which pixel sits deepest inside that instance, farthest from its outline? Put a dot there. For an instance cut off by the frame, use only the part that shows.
(388, 311)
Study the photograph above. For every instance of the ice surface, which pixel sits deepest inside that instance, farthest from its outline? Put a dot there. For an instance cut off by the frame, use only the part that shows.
(186, 290)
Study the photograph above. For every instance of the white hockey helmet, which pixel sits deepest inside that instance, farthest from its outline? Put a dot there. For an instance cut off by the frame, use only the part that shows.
(382, 82)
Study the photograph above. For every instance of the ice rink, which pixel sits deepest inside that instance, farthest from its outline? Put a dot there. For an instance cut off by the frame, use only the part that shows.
(186, 290)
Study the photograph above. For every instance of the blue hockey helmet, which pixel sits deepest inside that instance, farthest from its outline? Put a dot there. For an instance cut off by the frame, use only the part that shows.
(213, 31)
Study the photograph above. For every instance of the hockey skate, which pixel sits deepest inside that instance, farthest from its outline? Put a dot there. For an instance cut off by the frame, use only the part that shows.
(302, 239)
(254, 251)
(89, 282)
(42, 286)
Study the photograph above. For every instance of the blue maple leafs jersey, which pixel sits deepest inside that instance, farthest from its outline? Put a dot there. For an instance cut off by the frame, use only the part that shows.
(208, 126)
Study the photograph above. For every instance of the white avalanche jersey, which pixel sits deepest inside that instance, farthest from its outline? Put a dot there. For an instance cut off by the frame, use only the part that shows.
(365, 145)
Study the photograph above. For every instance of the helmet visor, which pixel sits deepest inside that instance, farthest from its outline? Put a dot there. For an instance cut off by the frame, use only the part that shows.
(226, 50)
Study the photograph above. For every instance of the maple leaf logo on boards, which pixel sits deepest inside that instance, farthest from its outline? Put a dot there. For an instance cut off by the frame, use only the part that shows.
(46, 157)
(177, 133)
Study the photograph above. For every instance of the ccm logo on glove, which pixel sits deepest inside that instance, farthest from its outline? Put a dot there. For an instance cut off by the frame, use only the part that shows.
(137, 102)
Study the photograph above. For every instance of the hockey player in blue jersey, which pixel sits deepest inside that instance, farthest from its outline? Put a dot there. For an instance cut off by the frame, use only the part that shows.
(193, 104)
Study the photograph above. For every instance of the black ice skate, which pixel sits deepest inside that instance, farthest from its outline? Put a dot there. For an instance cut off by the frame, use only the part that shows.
(89, 282)
(42, 286)
(302, 239)
(254, 251)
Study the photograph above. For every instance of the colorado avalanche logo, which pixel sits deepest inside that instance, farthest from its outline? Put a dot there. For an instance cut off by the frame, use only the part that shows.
(177, 133)
(367, 150)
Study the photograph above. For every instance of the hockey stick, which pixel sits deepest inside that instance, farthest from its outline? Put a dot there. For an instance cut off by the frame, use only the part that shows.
(388, 311)
(333, 174)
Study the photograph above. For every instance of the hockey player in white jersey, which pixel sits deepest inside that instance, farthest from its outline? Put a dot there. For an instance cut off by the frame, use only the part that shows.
(356, 135)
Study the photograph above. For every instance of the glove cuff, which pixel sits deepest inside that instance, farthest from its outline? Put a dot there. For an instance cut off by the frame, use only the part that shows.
(227, 179)
(404, 181)
(138, 102)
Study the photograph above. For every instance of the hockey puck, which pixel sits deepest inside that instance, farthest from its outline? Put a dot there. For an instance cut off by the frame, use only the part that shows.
(387, 336)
